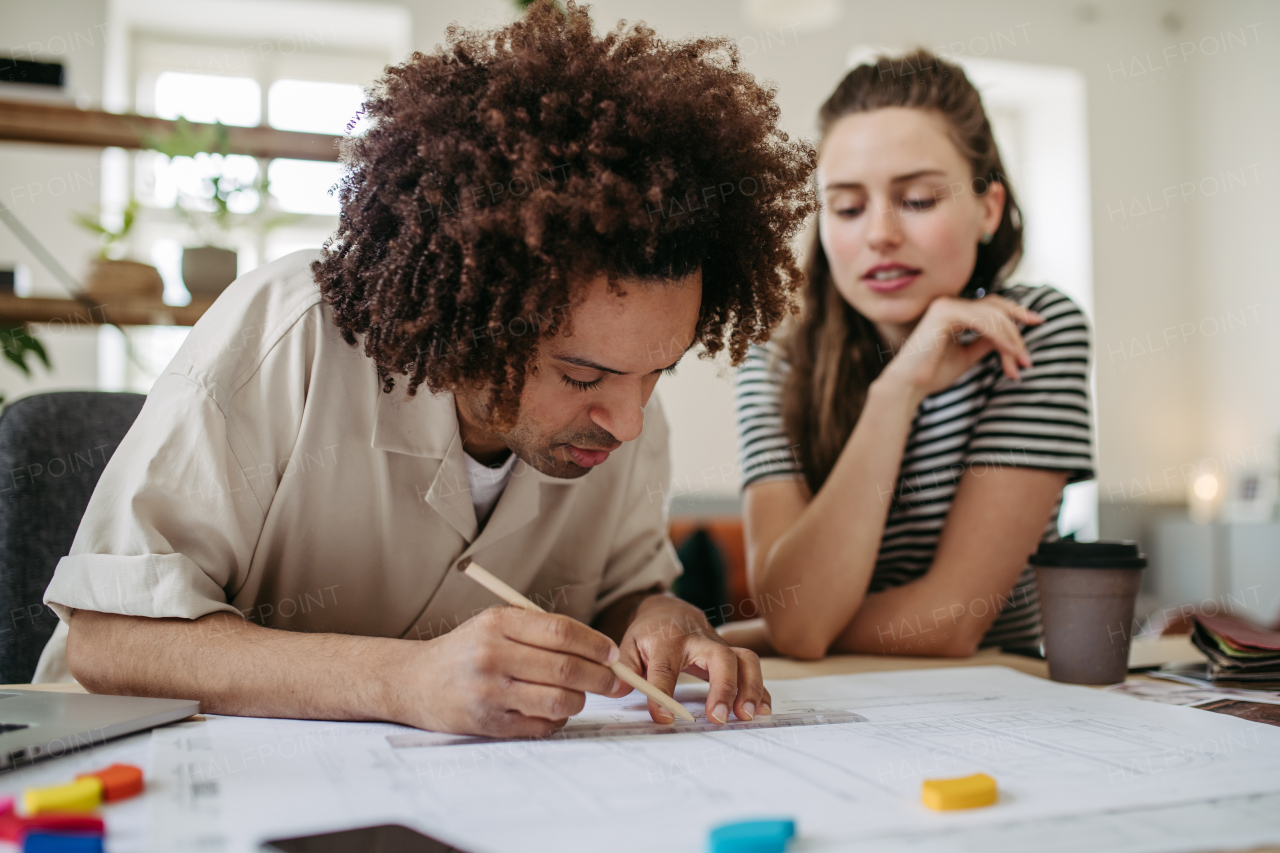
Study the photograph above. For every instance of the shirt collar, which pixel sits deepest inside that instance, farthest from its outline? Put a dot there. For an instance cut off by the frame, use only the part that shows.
(426, 425)
(422, 425)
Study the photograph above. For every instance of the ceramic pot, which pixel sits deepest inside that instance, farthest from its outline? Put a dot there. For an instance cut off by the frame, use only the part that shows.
(207, 270)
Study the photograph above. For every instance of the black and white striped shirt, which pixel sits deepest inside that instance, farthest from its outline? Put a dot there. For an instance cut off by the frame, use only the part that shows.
(984, 420)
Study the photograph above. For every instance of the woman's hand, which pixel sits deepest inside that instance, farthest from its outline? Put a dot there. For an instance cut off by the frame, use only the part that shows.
(953, 335)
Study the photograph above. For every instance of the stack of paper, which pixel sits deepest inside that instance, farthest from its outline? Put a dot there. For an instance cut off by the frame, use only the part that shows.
(1240, 654)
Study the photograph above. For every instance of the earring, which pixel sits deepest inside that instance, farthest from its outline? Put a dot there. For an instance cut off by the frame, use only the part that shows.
(985, 239)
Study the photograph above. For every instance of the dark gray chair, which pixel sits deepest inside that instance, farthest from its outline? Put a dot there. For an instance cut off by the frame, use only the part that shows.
(53, 448)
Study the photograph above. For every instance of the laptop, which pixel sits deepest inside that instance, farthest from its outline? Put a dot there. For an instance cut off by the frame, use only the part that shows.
(36, 724)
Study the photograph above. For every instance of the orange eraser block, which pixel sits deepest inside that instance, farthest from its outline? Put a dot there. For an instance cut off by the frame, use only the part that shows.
(119, 781)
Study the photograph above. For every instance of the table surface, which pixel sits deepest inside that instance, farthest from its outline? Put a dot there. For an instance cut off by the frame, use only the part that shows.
(1177, 649)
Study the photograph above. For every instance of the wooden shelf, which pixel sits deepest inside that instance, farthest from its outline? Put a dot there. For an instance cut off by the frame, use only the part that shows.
(27, 121)
(124, 312)
(57, 124)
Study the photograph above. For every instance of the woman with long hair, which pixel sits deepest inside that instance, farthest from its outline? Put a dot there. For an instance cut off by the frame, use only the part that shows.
(906, 442)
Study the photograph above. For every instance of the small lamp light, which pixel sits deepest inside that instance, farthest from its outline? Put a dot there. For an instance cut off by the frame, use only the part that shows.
(1204, 498)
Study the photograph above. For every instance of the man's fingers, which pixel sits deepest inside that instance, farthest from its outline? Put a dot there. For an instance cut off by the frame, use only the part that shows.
(515, 724)
(721, 665)
(541, 701)
(558, 669)
(661, 669)
(751, 692)
(512, 724)
(554, 632)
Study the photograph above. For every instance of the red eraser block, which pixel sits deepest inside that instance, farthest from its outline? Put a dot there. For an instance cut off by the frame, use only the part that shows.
(13, 828)
(119, 781)
(6, 805)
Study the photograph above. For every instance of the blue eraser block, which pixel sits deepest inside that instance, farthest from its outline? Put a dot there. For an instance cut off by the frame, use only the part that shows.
(61, 842)
(752, 836)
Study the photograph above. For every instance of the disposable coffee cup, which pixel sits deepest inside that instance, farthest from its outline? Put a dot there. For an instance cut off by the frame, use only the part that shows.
(1087, 592)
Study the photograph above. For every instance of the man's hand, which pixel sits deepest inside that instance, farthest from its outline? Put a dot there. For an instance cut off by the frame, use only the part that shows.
(668, 636)
(505, 673)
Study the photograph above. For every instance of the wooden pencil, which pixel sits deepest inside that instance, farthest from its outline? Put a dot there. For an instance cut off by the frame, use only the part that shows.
(507, 593)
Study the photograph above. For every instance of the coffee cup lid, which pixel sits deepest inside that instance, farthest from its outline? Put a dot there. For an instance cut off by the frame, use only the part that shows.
(1067, 553)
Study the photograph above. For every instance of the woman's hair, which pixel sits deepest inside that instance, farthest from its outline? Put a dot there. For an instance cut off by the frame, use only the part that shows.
(834, 352)
(510, 162)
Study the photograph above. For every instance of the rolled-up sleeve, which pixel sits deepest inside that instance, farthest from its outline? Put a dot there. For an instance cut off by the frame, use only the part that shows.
(642, 556)
(172, 523)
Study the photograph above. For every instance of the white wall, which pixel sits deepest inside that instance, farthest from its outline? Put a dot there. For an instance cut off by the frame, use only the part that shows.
(1234, 136)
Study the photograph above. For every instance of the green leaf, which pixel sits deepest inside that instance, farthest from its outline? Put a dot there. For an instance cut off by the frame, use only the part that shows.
(89, 224)
(16, 344)
(33, 345)
(18, 361)
(185, 140)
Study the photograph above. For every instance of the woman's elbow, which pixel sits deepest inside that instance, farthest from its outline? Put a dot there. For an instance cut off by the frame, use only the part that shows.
(800, 644)
(960, 644)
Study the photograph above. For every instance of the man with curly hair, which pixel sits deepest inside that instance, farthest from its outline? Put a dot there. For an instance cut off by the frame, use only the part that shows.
(538, 223)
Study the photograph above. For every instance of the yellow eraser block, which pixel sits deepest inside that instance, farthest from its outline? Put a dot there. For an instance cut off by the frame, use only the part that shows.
(967, 792)
(82, 795)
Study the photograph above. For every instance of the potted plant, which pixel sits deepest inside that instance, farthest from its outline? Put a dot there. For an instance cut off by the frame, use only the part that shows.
(209, 266)
(112, 277)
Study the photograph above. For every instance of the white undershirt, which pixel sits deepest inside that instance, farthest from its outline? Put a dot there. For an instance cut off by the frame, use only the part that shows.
(486, 484)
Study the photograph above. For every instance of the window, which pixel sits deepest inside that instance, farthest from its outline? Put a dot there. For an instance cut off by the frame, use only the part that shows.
(317, 90)
(314, 107)
(208, 98)
(281, 72)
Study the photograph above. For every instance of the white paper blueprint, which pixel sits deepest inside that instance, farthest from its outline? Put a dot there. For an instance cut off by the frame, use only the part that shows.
(1058, 753)
(1078, 769)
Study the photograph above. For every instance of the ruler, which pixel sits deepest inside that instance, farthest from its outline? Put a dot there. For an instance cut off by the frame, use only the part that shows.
(589, 730)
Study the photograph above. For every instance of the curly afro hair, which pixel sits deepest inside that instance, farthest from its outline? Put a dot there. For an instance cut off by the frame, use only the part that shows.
(510, 163)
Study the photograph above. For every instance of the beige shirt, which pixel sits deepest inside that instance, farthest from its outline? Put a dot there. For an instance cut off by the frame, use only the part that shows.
(268, 475)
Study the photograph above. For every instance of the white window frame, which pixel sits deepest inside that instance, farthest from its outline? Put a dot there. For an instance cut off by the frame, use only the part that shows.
(266, 40)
